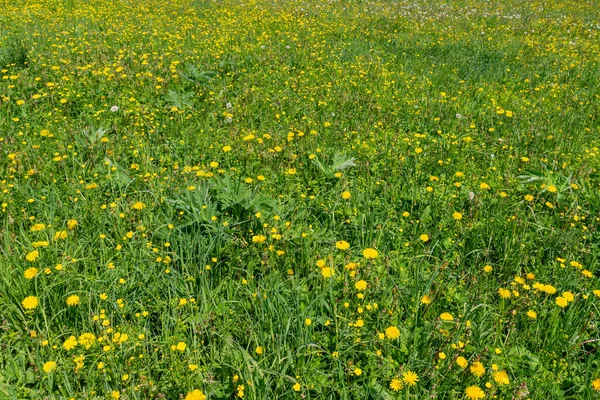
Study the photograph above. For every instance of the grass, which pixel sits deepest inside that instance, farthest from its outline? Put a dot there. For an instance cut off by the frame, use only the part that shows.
(323, 200)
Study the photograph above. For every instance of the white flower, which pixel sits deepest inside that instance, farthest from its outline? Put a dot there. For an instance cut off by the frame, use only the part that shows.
(114, 108)
(228, 105)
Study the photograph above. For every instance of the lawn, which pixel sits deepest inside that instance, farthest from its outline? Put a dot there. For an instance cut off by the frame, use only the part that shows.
(311, 199)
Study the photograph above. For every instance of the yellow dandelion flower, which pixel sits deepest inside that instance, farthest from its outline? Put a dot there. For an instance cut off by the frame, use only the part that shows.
(561, 302)
(370, 253)
(138, 206)
(392, 332)
(32, 255)
(195, 394)
(410, 378)
(70, 343)
(73, 300)
(49, 366)
(446, 317)
(30, 273)
(342, 245)
(474, 393)
(462, 362)
(477, 369)
(501, 377)
(327, 272)
(396, 384)
(29, 302)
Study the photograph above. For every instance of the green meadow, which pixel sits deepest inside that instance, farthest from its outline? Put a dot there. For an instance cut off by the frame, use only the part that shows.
(313, 199)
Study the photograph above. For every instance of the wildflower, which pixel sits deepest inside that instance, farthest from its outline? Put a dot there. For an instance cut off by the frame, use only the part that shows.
(138, 206)
(297, 387)
(346, 195)
(504, 293)
(327, 272)
(258, 238)
(49, 366)
(484, 186)
(308, 321)
(596, 384)
(370, 253)
(462, 362)
(532, 314)
(73, 300)
(360, 285)
(487, 269)
(114, 109)
(528, 197)
(357, 371)
(226, 149)
(552, 189)
(561, 302)
(195, 394)
(410, 378)
(424, 237)
(29, 302)
(37, 227)
(240, 391)
(477, 369)
(60, 235)
(392, 332)
(396, 384)
(70, 343)
(425, 299)
(30, 273)
(474, 393)
(87, 339)
(457, 216)
(586, 273)
(259, 350)
(549, 289)
(568, 296)
(342, 245)
(32, 255)
(72, 224)
(501, 377)
(446, 317)
(181, 346)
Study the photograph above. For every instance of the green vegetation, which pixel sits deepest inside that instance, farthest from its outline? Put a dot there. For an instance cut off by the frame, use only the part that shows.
(308, 199)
